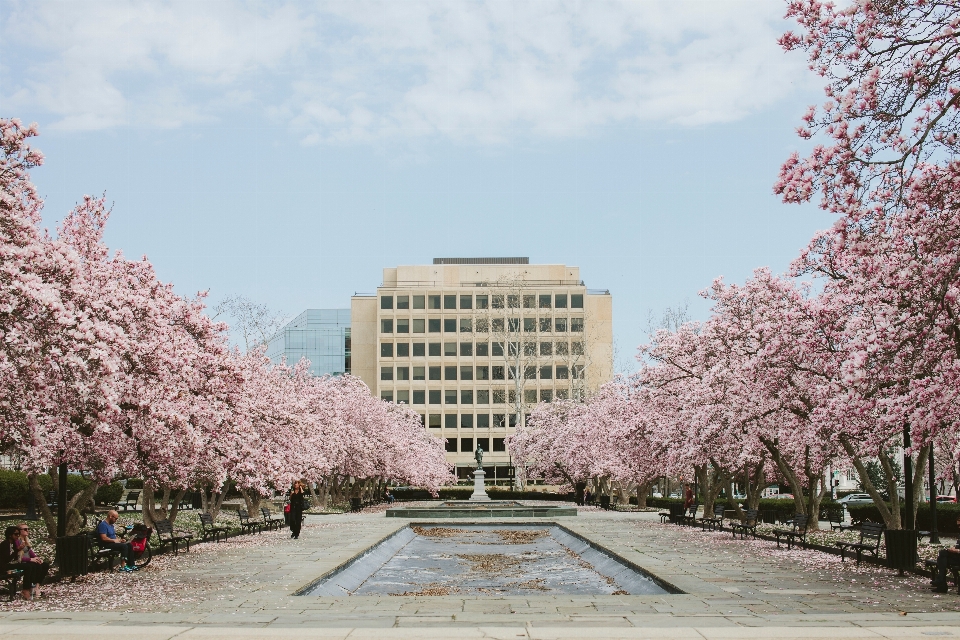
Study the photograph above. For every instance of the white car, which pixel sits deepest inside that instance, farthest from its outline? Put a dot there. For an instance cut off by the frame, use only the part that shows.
(856, 498)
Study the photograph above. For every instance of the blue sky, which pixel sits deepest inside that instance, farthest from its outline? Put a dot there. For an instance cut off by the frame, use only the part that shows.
(288, 152)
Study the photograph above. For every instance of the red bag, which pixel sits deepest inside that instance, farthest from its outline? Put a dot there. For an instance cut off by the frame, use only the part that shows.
(286, 508)
(138, 544)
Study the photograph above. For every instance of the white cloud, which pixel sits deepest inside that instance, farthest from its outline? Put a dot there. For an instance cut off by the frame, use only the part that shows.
(362, 71)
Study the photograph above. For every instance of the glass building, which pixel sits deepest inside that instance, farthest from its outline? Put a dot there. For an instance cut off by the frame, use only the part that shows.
(320, 335)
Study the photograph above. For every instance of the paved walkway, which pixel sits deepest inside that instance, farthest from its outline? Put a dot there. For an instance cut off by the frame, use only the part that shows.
(733, 589)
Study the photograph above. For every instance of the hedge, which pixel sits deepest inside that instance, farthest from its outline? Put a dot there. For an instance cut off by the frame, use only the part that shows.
(14, 487)
(771, 509)
(109, 493)
(947, 514)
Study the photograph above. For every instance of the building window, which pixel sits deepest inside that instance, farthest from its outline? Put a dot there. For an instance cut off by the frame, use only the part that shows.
(497, 373)
(481, 302)
(545, 325)
(529, 302)
(403, 349)
(450, 373)
(560, 324)
(483, 396)
(466, 302)
(576, 301)
(386, 373)
(546, 395)
(434, 373)
(403, 302)
(513, 421)
(449, 302)
(466, 396)
(434, 395)
(419, 325)
(433, 302)
(466, 325)
(466, 421)
(561, 301)
(499, 421)
(466, 348)
(483, 325)
(529, 348)
(466, 444)
(483, 421)
(386, 349)
(513, 302)
(562, 373)
(546, 348)
(529, 373)
(499, 396)
(418, 349)
(513, 324)
(419, 373)
(497, 302)
(434, 420)
(497, 348)
(403, 396)
(419, 397)
(546, 373)
(578, 372)
(576, 325)
(403, 373)
(576, 348)
(483, 349)
(450, 420)
(451, 445)
(433, 325)
(497, 325)
(450, 396)
(545, 301)
(483, 373)
(403, 325)
(386, 326)
(466, 373)
(434, 349)
(418, 302)
(563, 349)
(499, 444)
(561, 394)
(386, 396)
(529, 325)
(386, 302)
(530, 396)
(450, 348)
(450, 325)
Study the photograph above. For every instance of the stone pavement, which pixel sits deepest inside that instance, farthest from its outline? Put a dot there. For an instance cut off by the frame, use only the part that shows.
(732, 589)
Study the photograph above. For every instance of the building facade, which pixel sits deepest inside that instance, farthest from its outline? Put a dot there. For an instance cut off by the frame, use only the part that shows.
(320, 335)
(473, 343)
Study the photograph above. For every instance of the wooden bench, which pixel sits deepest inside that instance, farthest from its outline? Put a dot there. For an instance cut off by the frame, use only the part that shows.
(129, 502)
(246, 524)
(209, 530)
(870, 536)
(98, 556)
(715, 522)
(270, 521)
(796, 534)
(689, 516)
(166, 534)
(837, 518)
(11, 579)
(747, 525)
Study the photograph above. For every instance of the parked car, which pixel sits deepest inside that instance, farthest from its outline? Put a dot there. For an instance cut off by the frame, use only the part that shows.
(782, 496)
(674, 495)
(946, 499)
(856, 499)
(657, 494)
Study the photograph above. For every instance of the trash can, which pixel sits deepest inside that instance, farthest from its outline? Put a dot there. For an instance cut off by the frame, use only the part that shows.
(73, 553)
(195, 500)
(901, 547)
(604, 502)
(355, 504)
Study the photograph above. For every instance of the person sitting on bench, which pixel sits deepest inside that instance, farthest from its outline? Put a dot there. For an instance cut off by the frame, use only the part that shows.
(947, 559)
(107, 539)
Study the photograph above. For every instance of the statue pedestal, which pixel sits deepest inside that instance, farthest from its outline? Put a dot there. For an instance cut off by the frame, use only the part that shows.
(479, 490)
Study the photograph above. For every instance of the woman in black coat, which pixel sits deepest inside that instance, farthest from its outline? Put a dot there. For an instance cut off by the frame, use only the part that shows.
(298, 504)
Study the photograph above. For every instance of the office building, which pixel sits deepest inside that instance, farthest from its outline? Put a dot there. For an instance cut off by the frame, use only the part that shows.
(320, 335)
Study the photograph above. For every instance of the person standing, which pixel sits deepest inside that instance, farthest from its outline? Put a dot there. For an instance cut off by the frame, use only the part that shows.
(687, 497)
(35, 569)
(297, 507)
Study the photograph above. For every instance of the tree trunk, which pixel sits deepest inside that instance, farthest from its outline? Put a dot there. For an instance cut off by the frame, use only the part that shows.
(816, 489)
(734, 502)
(755, 484)
(788, 473)
(212, 501)
(252, 500)
(919, 469)
(891, 517)
(643, 490)
(711, 479)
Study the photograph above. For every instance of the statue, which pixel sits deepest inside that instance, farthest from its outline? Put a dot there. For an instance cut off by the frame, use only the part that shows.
(479, 457)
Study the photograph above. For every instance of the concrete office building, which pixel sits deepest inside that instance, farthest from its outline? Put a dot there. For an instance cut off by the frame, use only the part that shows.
(320, 335)
(473, 343)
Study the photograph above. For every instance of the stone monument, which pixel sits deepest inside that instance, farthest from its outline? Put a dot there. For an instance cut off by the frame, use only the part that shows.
(479, 490)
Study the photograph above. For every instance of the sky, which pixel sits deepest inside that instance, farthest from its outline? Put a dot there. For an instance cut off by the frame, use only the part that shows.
(288, 152)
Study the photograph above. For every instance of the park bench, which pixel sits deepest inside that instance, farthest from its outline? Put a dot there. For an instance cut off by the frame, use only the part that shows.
(209, 530)
(690, 515)
(129, 502)
(246, 524)
(270, 520)
(97, 556)
(747, 525)
(870, 536)
(836, 516)
(931, 566)
(796, 534)
(714, 522)
(11, 579)
(166, 534)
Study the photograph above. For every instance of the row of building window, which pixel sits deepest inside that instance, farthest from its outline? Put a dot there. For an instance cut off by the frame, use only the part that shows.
(545, 372)
(466, 349)
(466, 444)
(469, 420)
(482, 325)
(495, 301)
(467, 396)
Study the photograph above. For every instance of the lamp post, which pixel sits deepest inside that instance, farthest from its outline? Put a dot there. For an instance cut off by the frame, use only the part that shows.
(934, 537)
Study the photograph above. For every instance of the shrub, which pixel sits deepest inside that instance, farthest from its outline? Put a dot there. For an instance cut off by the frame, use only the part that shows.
(134, 483)
(13, 489)
(947, 514)
(109, 494)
